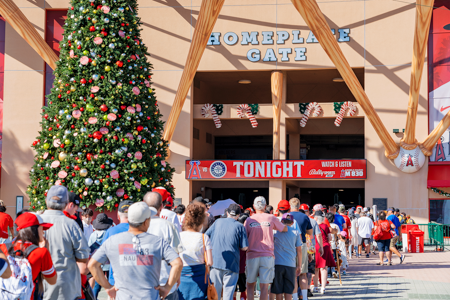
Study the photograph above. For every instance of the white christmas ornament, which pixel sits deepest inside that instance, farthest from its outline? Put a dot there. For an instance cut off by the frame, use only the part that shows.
(409, 161)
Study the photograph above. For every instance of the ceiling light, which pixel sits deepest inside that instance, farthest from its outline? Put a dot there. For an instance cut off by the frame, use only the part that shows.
(245, 81)
(341, 190)
(338, 79)
(352, 202)
(255, 191)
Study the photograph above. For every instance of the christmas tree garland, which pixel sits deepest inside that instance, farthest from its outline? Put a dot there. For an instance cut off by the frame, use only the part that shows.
(302, 107)
(440, 192)
(337, 106)
(101, 133)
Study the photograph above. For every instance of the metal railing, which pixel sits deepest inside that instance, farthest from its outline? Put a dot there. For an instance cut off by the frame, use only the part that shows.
(436, 235)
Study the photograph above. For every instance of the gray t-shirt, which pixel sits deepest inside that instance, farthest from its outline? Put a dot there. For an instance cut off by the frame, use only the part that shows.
(66, 243)
(316, 230)
(136, 261)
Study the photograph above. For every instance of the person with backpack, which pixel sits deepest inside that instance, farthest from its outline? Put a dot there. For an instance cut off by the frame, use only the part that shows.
(101, 224)
(382, 235)
(28, 260)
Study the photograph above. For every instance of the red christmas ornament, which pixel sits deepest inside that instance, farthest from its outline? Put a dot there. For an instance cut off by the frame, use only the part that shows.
(103, 107)
(92, 28)
(102, 77)
(83, 81)
(122, 107)
(115, 137)
(46, 116)
(97, 135)
(102, 166)
(79, 47)
(88, 156)
(144, 141)
(59, 96)
(116, 205)
(81, 108)
(125, 196)
(119, 64)
(140, 128)
(72, 126)
(76, 168)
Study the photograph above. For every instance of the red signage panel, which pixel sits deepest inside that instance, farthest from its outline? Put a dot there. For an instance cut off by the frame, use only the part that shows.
(277, 169)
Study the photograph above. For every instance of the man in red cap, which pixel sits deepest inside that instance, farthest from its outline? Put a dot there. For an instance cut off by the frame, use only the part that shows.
(166, 212)
(30, 229)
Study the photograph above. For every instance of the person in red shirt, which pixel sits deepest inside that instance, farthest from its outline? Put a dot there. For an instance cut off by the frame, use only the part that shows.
(385, 240)
(347, 220)
(6, 222)
(31, 232)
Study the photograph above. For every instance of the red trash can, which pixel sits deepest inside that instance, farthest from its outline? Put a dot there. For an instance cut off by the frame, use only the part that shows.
(416, 242)
(406, 239)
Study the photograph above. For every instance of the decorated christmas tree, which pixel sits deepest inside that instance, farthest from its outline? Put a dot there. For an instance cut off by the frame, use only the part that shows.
(101, 132)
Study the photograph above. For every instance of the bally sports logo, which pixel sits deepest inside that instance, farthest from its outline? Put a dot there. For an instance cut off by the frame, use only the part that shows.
(322, 173)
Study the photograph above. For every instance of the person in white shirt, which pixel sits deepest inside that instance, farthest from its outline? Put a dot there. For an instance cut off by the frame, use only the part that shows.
(365, 226)
(86, 218)
(167, 230)
(343, 249)
(179, 210)
(354, 239)
(167, 202)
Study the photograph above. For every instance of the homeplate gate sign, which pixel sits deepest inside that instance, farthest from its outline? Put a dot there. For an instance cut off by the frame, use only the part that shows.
(276, 169)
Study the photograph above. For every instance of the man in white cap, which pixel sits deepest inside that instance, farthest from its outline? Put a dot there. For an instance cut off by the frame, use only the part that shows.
(67, 246)
(260, 253)
(136, 258)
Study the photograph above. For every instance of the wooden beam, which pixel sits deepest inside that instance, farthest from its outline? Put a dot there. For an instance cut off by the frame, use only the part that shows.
(14, 16)
(277, 101)
(209, 12)
(424, 11)
(429, 143)
(315, 19)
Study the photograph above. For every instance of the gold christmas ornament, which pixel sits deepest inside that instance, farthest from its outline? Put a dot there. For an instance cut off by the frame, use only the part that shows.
(83, 172)
(62, 156)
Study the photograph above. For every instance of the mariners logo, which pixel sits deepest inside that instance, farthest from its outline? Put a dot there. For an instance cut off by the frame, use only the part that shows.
(218, 169)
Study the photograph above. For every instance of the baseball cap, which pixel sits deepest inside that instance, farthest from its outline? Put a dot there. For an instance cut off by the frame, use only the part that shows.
(317, 207)
(304, 206)
(284, 205)
(234, 210)
(76, 200)
(341, 208)
(260, 202)
(153, 211)
(27, 219)
(343, 233)
(287, 217)
(59, 191)
(365, 209)
(125, 205)
(139, 212)
(318, 213)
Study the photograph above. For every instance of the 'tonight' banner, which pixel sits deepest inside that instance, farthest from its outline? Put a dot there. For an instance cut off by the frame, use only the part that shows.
(277, 169)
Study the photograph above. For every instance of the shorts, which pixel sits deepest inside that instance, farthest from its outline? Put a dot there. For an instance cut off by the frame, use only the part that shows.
(312, 266)
(304, 259)
(394, 241)
(262, 267)
(284, 282)
(242, 283)
(383, 245)
(365, 241)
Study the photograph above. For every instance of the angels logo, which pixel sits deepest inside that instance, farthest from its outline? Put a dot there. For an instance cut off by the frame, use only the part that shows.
(194, 172)
(218, 169)
(410, 161)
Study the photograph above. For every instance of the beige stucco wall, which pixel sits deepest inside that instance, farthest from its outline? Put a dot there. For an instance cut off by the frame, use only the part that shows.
(381, 35)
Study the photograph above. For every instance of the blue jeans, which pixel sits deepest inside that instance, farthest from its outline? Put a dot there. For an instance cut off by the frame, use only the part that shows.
(224, 280)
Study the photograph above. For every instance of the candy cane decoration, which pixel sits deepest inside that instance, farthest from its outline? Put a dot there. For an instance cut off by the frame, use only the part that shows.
(244, 108)
(208, 110)
(309, 108)
(347, 105)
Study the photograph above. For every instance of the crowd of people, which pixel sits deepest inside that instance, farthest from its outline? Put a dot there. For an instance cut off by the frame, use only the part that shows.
(184, 252)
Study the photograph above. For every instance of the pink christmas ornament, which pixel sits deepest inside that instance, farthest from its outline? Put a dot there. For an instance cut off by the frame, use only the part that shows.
(136, 90)
(112, 117)
(105, 9)
(84, 60)
(99, 202)
(98, 40)
(62, 174)
(120, 192)
(76, 114)
(114, 174)
(131, 109)
(55, 164)
(138, 155)
(121, 33)
(138, 108)
(95, 89)
(92, 120)
(56, 143)
(72, 54)
(104, 130)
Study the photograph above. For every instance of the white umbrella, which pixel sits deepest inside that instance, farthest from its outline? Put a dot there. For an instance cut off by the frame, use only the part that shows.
(219, 207)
